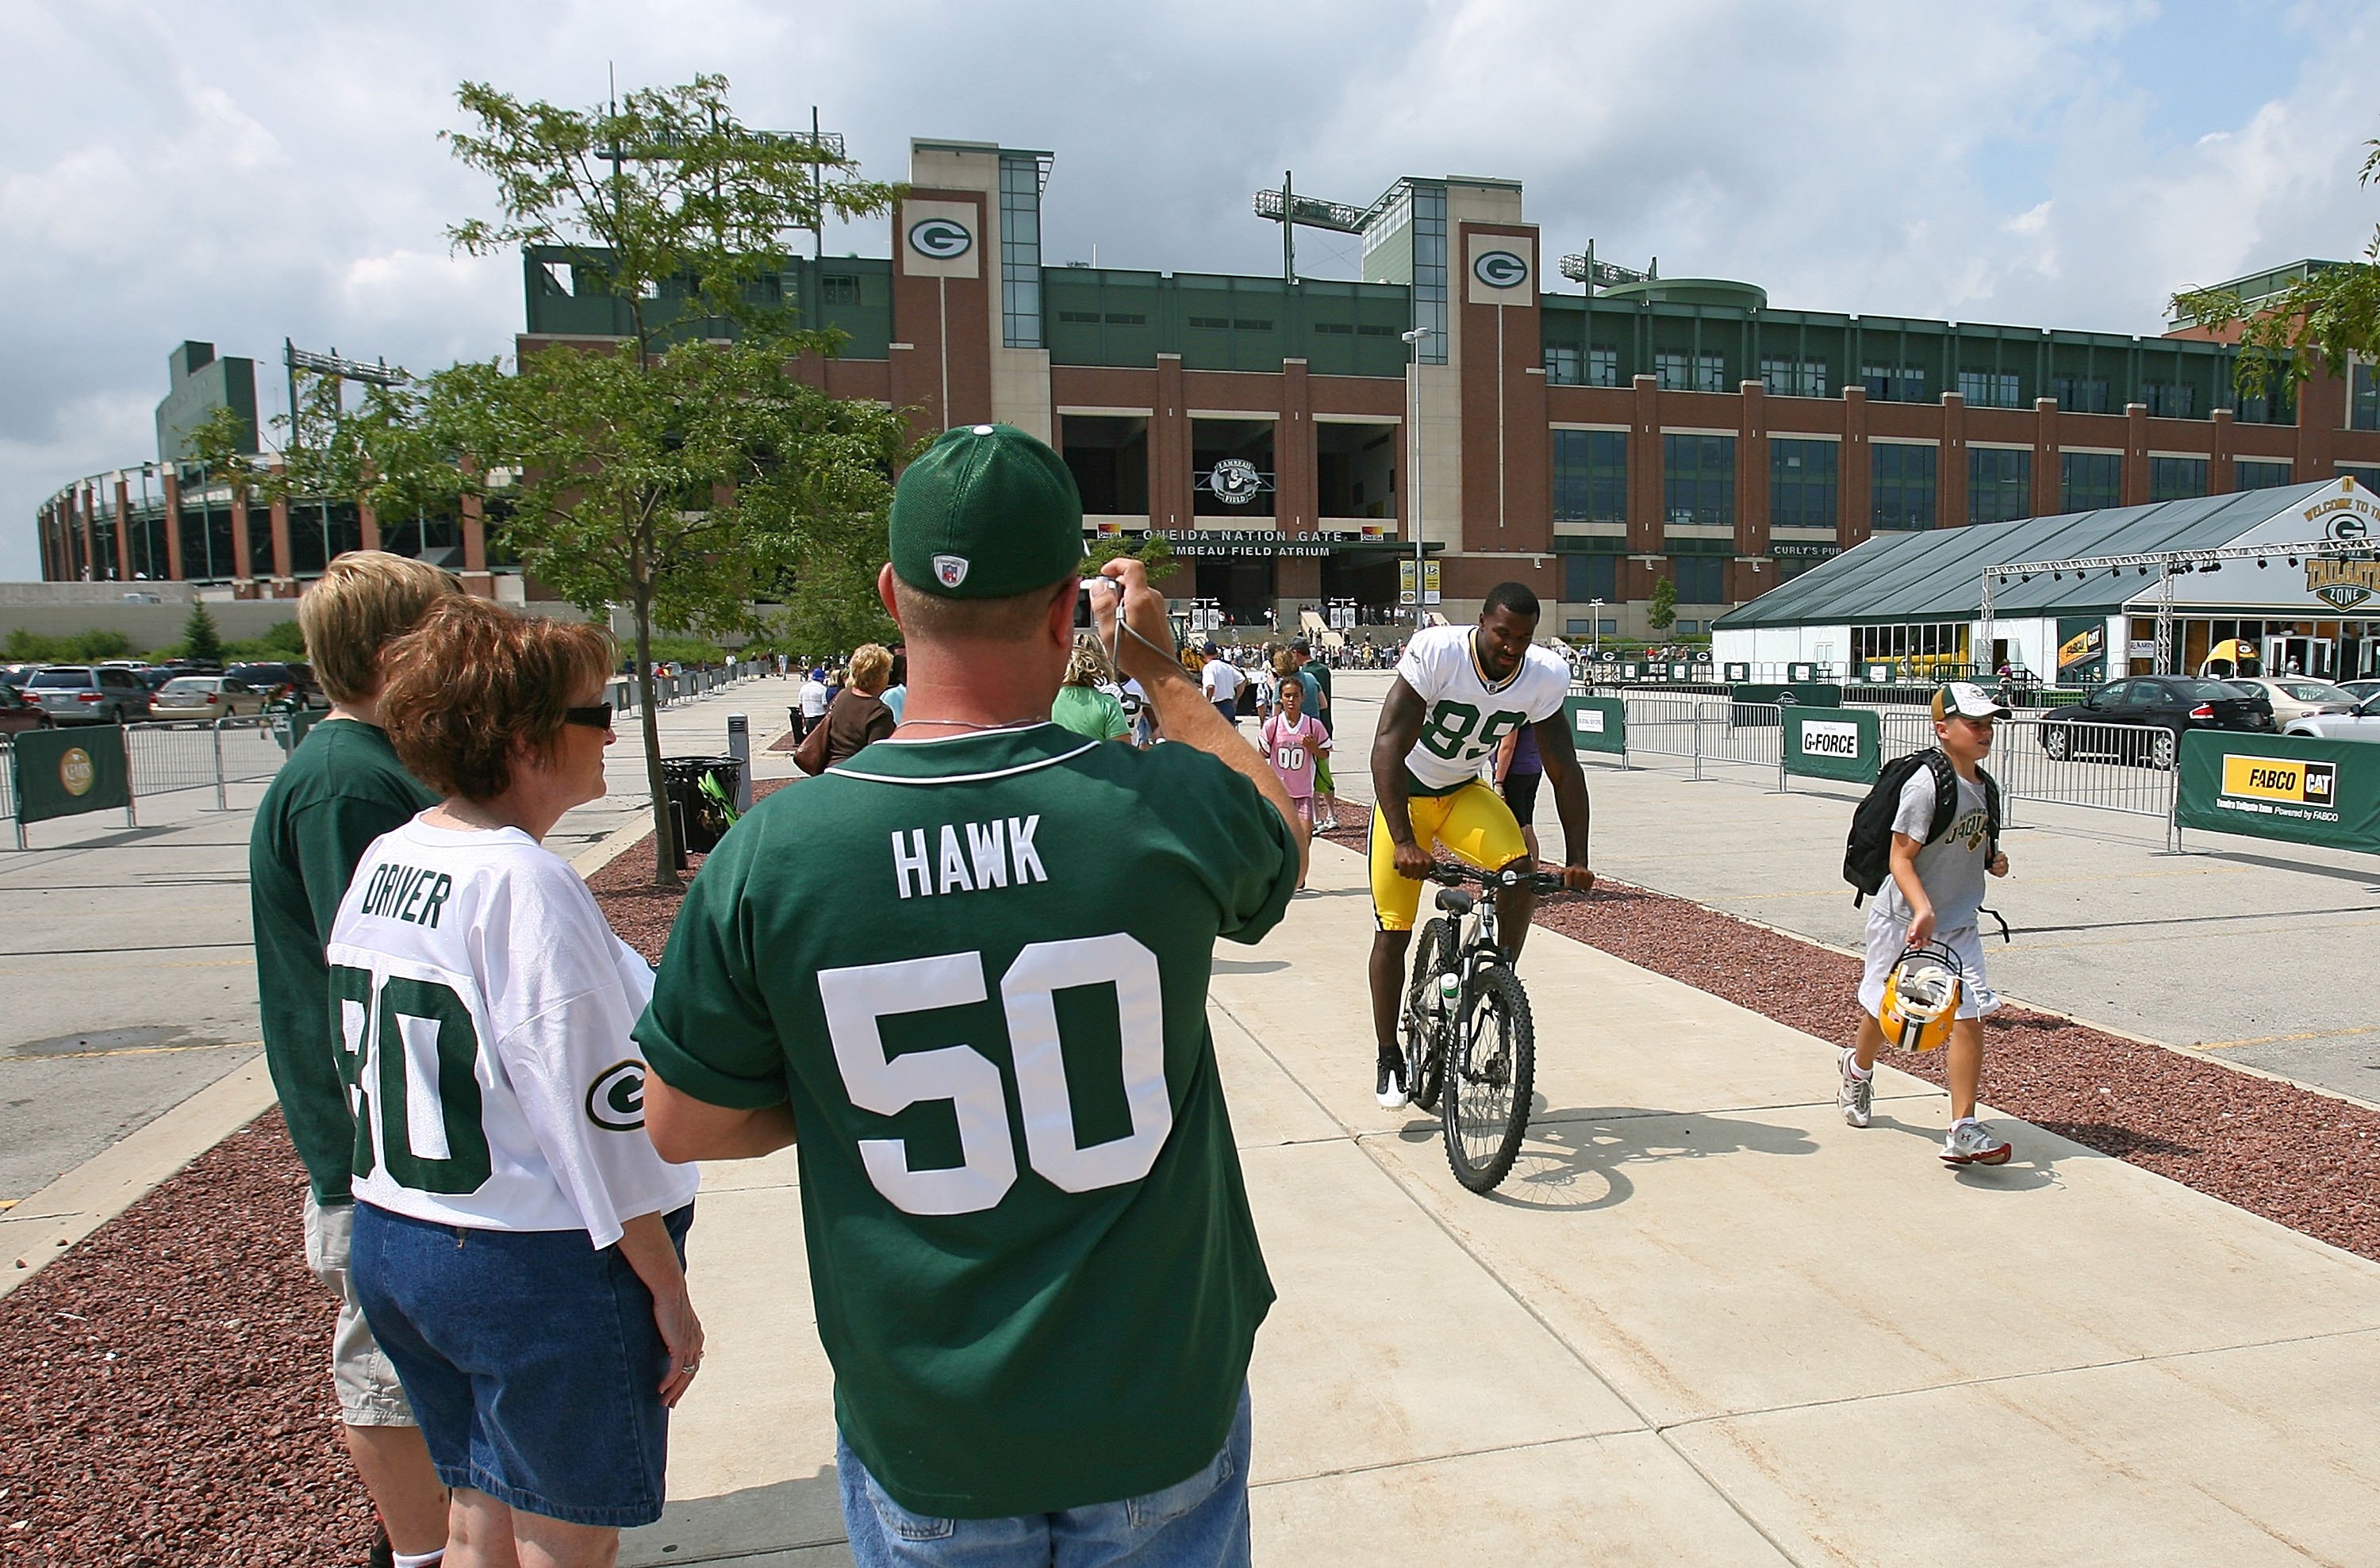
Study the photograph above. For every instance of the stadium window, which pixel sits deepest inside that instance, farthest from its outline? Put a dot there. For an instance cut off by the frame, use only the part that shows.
(2169, 400)
(1602, 366)
(1989, 389)
(2177, 478)
(2363, 474)
(2089, 480)
(1701, 579)
(1691, 372)
(1590, 476)
(838, 288)
(1698, 479)
(1586, 578)
(1020, 251)
(1791, 566)
(1894, 383)
(2259, 475)
(2363, 404)
(1902, 492)
(1794, 378)
(1802, 476)
(2080, 394)
(2000, 484)
(1562, 364)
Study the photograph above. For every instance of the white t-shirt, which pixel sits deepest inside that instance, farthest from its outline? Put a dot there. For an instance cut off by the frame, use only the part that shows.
(1222, 681)
(486, 1008)
(813, 697)
(1466, 718)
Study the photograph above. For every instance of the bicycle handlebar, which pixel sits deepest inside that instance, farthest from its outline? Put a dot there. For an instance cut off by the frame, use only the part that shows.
(1453, 874)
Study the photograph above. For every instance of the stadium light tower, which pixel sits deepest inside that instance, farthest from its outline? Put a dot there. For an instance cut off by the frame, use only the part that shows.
(1413, 400)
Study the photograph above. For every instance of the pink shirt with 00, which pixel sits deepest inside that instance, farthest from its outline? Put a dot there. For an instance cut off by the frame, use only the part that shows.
(1285, 740)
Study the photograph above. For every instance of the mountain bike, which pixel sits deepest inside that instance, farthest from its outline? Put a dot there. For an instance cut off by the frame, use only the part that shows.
(1470, 1048)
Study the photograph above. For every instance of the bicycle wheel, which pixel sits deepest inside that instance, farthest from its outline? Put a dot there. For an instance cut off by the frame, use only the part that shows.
(1425, 1033)
(1490, 1080)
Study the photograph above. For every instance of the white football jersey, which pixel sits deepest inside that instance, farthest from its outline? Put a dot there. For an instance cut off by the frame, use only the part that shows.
(1466, 718)
(485, 1009)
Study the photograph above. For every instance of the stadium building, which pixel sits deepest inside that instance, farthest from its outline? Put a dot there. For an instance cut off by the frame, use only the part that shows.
(1583, 427)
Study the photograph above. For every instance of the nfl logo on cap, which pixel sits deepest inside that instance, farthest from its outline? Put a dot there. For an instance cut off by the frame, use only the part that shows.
(951, 569)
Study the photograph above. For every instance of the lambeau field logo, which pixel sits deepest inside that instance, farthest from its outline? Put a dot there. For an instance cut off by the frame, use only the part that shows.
(76, 773)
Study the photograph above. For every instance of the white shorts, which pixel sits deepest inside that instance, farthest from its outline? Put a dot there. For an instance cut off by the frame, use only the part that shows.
(1889, 938)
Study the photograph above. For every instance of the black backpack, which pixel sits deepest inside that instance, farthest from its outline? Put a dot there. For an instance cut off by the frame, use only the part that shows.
(1868, 853)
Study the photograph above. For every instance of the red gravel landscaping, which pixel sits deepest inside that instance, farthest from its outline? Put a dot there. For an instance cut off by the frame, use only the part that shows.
(2304, 1160)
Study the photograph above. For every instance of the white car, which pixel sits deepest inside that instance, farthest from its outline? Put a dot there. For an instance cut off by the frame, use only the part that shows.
(2359, 723)
(2297, 696)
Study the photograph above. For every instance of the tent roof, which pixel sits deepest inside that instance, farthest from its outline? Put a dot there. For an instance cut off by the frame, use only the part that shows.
(1937, 575)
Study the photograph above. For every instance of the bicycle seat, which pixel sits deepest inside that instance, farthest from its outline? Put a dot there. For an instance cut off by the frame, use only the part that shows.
(1454, 902)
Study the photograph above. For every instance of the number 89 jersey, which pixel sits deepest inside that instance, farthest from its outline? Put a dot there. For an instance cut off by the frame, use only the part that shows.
(1466, 717)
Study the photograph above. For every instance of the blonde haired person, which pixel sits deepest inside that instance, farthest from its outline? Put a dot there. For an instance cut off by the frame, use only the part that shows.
(1081, 705)
(857, 717)
(517, 1241)
(340, 789)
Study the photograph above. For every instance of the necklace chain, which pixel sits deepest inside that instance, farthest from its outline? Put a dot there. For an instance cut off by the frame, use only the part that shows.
(970, 724)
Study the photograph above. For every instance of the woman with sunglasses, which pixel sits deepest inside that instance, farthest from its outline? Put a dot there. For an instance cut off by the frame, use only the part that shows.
(518, 1244)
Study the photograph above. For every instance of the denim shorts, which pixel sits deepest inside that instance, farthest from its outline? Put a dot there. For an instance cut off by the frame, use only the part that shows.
(531, 1360)
(1200, 1521)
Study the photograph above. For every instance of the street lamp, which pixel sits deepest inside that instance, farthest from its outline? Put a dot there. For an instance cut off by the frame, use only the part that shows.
(1595, 620)
(1412, 401)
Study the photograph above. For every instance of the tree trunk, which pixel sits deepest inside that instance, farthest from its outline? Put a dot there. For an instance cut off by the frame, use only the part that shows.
(664, 831)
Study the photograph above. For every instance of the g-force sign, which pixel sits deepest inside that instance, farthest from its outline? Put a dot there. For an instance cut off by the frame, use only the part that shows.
(2280, 787)
(1820, 739)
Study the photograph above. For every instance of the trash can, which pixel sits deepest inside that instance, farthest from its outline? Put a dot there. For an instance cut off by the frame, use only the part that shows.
(703, 798)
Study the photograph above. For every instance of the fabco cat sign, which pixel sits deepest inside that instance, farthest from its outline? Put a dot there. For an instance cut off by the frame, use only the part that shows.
(2290, 786)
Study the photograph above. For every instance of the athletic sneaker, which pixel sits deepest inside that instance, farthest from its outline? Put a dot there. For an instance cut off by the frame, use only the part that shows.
(1388, 1085)
(1857, 1096)
(1969, 1144)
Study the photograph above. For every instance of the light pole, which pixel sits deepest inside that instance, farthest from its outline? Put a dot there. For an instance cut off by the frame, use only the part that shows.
(1595, 613)
(1413, 400)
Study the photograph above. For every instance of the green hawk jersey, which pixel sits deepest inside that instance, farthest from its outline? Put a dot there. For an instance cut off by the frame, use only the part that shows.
(977, 968)
(340, 789)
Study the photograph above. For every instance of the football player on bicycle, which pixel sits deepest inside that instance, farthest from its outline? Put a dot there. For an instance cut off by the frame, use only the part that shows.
(1458, 691)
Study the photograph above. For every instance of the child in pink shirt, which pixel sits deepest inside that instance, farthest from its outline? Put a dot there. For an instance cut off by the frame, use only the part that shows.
(1290, 739)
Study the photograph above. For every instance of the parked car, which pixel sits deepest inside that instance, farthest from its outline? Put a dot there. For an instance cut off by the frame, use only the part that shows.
(153, 676)
(2295, 697)
(18, 713)
(81, 694)
(2361, 722)
(204, 696)
(16, 675)
(282, 682)
(2141, 720)
(2360, 690)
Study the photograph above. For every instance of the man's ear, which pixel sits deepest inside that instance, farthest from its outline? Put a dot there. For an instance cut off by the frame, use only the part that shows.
(1059, 624)
(884, 592)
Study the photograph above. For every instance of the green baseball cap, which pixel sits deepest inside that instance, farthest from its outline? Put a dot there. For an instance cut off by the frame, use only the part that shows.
(985, 512)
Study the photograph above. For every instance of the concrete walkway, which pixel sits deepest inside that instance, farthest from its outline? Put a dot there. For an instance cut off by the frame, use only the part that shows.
(1703, 1322)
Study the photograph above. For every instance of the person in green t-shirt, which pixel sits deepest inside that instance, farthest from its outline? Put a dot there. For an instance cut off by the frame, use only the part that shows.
(969, 968)
(1080, 704)
(340, 789)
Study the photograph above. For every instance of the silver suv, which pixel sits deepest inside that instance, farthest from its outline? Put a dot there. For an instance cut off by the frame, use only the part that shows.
(76, 694)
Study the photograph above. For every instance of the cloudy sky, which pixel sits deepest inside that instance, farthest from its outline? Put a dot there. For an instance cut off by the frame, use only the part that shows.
(240, 173)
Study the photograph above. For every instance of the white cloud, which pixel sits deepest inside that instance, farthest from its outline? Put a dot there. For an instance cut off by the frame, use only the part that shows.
(245, 172)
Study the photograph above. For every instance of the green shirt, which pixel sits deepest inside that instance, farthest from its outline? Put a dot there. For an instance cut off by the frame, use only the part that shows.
(340, 789)
(1319, 674)
(977, 968)
(1087, 710)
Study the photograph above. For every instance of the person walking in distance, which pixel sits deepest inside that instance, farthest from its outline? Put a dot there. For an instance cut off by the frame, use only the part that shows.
(1220, 679)
(1934, 895)
(813, 697)
(1318, 693)
(1458, 691)
(340, 789)
(1293, 741)
(1040, 1327)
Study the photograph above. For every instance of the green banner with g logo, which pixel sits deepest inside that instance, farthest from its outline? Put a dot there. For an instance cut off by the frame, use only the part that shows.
(68, 772)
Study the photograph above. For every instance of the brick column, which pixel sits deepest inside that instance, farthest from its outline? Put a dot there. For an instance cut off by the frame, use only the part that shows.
(123, 531)
(1853, 473)
(1646, 524)
(476, 578)
(1951, 465)
(2322, 413)
(283, 577)
(172, 485)
(1296, 500)
(1169, 450)
(90, 537)
(2136, 454)
(2045, 487)
(243, 584)
(2222, 467)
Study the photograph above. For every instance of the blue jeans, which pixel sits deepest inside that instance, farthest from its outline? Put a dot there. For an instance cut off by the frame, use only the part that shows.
(1198, 1523)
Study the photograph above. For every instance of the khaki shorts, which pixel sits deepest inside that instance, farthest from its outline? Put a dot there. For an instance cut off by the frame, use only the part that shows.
(369, 1394)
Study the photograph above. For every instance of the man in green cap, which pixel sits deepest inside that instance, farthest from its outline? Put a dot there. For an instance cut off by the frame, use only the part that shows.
(968, 967)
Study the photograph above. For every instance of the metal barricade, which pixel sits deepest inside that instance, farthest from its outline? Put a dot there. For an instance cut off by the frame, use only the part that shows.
(1745, 734)
(166, 757)
(8, 779)
(2118, 767)
(1659, 726)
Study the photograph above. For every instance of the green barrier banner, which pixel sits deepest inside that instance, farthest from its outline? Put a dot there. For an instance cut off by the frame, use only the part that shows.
(1808, 693)
(290, 728)
(1735, 674)
(68, 772)
(2281, 787)
(1833, 742)
(1597, 724)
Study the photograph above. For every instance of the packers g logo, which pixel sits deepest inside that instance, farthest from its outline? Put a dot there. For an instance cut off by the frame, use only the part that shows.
(616, 1101)
(1501, 269)
(939, 239)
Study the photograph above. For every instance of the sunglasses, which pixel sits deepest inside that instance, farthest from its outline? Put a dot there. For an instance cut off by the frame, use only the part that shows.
(596, 717)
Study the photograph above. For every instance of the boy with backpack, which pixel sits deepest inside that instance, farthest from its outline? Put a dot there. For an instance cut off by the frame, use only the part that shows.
(1294, 743)
(1921, 841)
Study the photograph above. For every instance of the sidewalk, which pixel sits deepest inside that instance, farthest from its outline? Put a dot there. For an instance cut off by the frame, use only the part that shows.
(1703, 1322)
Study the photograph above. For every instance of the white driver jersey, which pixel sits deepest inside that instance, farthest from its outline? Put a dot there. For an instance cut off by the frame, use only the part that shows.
(485, 1008)
(1465, 718)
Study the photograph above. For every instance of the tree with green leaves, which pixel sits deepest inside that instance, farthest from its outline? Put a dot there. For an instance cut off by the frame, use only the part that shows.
(201, 640)
(1664, 613)
(686, 471)
(2327, 317)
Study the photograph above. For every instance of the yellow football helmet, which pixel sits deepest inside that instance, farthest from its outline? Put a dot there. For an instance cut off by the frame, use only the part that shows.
(1920, 998)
